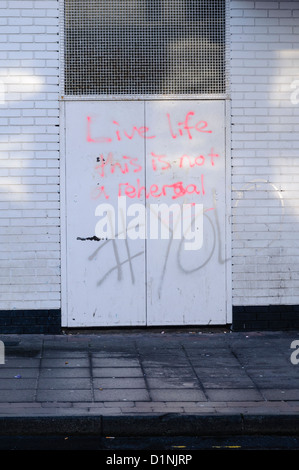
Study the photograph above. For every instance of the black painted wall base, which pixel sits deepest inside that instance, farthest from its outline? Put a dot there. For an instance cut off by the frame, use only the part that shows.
(271, 317)
(30, 321)
(251, 318)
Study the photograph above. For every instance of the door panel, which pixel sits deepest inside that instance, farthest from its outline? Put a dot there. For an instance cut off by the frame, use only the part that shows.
(185, 278)
(105, 276)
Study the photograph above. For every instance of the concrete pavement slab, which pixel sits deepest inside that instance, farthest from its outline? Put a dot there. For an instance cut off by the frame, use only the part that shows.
(166, 381)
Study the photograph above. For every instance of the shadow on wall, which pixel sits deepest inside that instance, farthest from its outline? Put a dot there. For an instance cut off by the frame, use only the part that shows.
(30, 218)
(265, 204)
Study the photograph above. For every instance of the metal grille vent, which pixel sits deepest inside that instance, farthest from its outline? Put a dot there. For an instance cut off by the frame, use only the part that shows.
(144, 47)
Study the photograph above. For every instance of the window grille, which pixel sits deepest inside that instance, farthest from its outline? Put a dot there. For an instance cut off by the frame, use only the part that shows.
(144, 47)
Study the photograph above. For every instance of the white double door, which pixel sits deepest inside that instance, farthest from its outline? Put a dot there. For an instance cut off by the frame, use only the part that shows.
(145, 222)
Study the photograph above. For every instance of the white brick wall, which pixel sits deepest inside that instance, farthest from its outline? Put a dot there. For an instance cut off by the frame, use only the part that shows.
(265, 151)
(29, 151)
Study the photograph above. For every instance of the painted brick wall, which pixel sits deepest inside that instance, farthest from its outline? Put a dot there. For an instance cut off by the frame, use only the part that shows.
(29, 155)
(265, 151)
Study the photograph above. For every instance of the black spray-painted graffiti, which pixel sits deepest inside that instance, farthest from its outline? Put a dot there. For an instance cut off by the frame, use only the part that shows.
(215, 237)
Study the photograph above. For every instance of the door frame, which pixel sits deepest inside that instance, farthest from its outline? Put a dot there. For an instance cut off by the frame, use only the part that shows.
(62, 99)
(63, 212)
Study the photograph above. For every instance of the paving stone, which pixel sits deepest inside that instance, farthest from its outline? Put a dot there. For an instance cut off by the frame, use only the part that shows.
(53, 353)
(114, 362)
(172, 382)
(17, 384)
(20, 362)
(113, 411)
(146, 373)
(66, 372)
(114, 354)
(122, 382)
(85, 405)
(124, 404)
(117, 372)
(276, 372)
(25, 372)
(64, 395)
(220, 372)
(12, 395)
(64, 383)
(184, 372)
(214, 361)
(56, 404)
(158, 351)
(276, 383)
(280, 394)
(232, 382)
(61, 343)
(233, 394)
(208, 352)
(121, 395)
(255, 361)
(66, 362)
(19, 405)
(166, 361)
